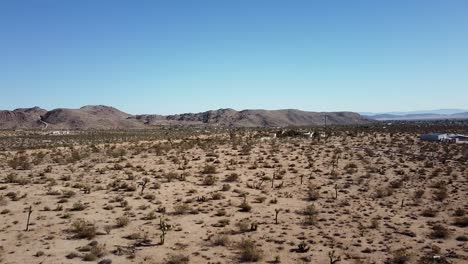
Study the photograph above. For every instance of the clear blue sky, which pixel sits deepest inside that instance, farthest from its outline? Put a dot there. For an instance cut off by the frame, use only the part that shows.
(187, 56)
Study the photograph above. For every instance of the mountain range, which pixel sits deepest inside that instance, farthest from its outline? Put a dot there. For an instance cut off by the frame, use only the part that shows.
(439, 114)
(106, 117)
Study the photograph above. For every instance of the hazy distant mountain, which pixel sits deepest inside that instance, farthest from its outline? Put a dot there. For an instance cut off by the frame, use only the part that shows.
(105, 117)
(422, 115)
(420, 112)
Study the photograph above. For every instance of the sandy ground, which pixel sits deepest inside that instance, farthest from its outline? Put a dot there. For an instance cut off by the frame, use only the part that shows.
(364, 190)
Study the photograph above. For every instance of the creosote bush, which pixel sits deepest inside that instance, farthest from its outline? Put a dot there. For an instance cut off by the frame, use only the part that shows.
(83, 229)
(177, 259)
(249, 252)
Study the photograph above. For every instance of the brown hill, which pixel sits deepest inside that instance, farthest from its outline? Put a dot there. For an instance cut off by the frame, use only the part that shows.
(21, 118)
(258, 118)
(89, 117)
(105, 117)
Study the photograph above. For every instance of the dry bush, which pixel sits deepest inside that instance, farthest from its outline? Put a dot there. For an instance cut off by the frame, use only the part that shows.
(249, 252)
(439, 232)
(220, 240)
(122, 221)
(209, 169)
(429, 212)
(20, 162)
(209, 180)
(310, 214)
(400, 256)
(83, 229)
(313, 193)
(245, 206)
(461, 221)
(440, 194)
(233, 177)
(177, 259)
(180, 209)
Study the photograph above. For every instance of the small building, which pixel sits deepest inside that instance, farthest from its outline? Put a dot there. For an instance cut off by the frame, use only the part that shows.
(434, 137)
(60, 132)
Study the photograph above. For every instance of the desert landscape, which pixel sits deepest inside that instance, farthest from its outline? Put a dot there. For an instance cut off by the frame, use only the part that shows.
(187, 194)
(228, 132)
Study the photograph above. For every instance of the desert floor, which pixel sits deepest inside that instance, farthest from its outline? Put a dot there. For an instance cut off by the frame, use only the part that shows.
(364, 198)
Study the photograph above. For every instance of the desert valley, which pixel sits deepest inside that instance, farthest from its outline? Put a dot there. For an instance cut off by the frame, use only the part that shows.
(368, 192)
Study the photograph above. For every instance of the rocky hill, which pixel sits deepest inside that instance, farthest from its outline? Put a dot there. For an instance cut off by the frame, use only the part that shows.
(21, 118)
(105, 117)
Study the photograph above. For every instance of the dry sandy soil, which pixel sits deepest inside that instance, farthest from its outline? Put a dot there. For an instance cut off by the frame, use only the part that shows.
(367, 198)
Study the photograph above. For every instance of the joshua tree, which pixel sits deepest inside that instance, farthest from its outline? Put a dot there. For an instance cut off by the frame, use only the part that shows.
(29, 217)
(276, 215)
(143, 185)
(333, 258)
(164, 228)
(303, 248)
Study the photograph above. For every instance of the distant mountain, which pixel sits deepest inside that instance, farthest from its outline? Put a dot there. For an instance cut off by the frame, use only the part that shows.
(420, 116)
(105, 117)
(436, 112)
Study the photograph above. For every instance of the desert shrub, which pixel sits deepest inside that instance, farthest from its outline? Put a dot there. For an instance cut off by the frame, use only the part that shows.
(221, 212)
(96, 251)
(459, 212)
(396, 184)
(249, 252)
(223, 222)
(461, 221)
(439, 232)
(310, 214)
(381, 192)
(170, 176)
(260, 199)
(23, 181)
(313, 193)
(429, 212)
(245, 206)
(233, 177)
(209, 180)
(220, 240)
(20, 162)
(217, 196)
(440, 194)
(78, 206)
(418, 194)
(180, 209)
(244, 226)
(226, 187)
(177, 259)
(83, 229)
(122, 221)
(11, 178)
(400, 256)
(209, 169)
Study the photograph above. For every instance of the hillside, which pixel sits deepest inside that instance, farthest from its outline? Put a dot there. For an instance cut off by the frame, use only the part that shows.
(89, 117)
(105, 117)
(21, 118)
